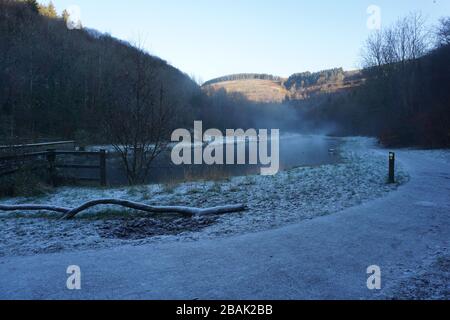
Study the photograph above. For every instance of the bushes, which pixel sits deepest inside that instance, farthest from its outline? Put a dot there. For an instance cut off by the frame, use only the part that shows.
(25, 183)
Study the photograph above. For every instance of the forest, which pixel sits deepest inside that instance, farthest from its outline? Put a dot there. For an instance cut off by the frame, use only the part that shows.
(57, 83)
(300, 80)
(405, 98)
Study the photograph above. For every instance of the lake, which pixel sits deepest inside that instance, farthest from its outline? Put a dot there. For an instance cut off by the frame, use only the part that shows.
(295, 151)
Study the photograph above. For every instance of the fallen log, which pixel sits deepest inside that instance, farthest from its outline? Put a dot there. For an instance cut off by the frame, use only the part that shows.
(69, 213)
(33, 207)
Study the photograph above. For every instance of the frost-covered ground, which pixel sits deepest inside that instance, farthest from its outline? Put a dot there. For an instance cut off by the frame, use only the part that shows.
(289, 197)
(439, 155)
(427, 281)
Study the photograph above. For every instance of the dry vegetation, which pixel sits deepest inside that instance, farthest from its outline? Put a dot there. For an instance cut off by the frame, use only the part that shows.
(254, 89)
(276, 91)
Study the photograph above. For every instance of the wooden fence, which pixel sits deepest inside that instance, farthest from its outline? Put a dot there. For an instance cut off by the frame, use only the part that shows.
(13, 164)
(38, 146)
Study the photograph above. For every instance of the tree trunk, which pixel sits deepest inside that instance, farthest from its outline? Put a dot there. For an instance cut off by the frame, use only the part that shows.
(69, 213)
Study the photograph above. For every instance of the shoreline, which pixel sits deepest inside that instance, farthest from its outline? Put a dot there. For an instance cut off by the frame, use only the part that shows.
(292, 196)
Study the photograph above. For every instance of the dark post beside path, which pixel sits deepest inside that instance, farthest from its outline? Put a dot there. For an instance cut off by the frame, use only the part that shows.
(391, 167)
(51, 158)
(103, 168)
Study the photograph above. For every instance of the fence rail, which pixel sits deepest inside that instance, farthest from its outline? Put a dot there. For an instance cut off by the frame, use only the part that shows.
(23, 156)
(37, 145)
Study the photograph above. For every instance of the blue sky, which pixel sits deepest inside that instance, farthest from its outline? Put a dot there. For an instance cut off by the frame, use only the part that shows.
(211, 38)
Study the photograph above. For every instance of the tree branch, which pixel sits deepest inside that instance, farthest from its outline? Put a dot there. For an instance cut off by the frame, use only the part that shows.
(34, 208)
(69, 213)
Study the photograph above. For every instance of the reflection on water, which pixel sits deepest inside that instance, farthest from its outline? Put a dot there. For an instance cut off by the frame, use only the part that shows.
(295, 151)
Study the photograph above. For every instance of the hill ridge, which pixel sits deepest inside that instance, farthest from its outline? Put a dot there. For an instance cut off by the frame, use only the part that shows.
(261, 87)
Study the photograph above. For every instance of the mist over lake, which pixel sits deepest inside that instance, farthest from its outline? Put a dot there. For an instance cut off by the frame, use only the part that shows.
(295, 151)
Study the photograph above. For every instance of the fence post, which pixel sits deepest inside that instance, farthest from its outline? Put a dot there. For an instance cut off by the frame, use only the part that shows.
(51, 158)
(103, 168)
(391, 167)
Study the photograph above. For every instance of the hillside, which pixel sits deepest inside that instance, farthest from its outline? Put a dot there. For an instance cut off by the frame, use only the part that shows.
(58, 82)
(404, 103)
(253, 89)
(300, 86)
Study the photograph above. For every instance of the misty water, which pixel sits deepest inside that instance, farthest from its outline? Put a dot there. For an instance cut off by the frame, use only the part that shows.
(295, 151)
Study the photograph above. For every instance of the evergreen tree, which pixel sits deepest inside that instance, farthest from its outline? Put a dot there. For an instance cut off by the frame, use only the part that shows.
(49, 11)
(33, 5)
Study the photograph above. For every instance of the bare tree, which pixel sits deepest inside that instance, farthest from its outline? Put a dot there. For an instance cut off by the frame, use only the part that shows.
(373, 50)
(139, 127)
(443, 32)
(404, 41)
(417, 35)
